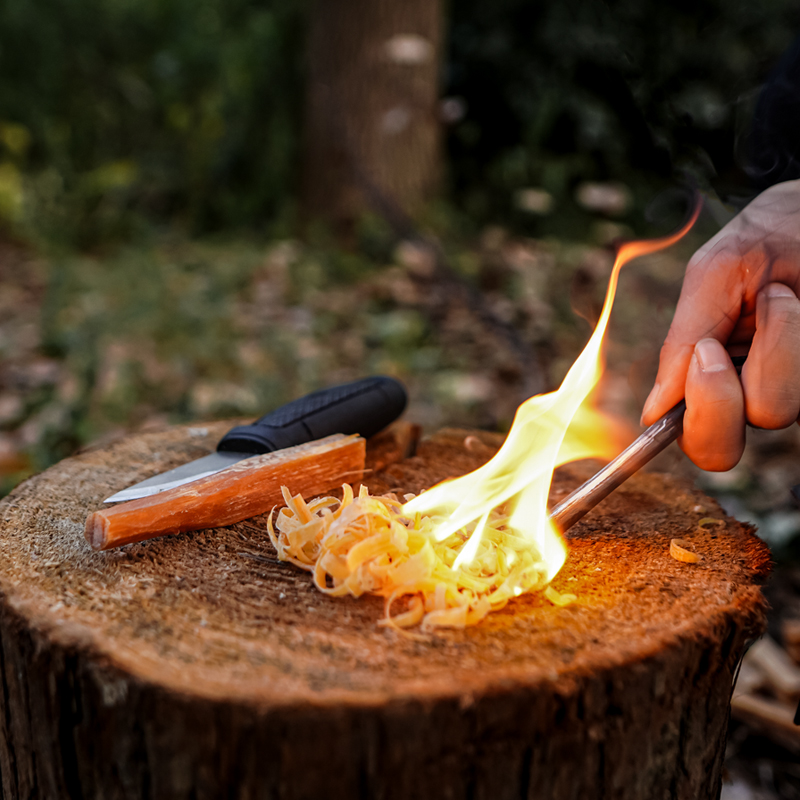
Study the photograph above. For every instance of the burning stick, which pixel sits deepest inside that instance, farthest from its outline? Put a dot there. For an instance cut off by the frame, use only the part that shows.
(244, 490)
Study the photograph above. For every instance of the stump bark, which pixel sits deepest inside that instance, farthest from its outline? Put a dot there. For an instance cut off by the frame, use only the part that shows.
(197, 666)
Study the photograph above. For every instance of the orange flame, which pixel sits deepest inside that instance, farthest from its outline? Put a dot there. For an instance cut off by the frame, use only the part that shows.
(548, 430)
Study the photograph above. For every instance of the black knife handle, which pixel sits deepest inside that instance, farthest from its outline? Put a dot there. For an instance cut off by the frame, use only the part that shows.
(364, 407)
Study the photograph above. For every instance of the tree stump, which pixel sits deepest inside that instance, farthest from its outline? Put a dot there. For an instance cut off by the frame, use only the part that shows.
(197, 666)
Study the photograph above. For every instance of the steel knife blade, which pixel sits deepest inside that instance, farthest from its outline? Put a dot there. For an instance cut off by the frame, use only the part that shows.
(364, 407)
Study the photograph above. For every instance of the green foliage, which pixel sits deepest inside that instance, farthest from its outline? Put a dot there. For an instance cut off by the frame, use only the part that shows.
(626, 90)
(146, 331)
(167, 329)
(118, 112)
(170, 109)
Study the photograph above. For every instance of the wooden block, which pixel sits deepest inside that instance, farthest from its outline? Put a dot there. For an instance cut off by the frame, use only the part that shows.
(782, 674)
(790, 632)
(392, 445)
(750, 678)
(248, 488)
(772, 717)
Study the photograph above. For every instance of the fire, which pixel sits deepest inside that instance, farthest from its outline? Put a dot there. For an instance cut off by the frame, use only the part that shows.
(548, 430)
(464, 548)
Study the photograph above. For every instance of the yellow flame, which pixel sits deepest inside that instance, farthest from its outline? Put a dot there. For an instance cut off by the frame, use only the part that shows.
(548, 430)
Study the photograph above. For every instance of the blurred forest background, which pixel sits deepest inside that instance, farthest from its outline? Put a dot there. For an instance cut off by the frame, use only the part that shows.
(208, 208)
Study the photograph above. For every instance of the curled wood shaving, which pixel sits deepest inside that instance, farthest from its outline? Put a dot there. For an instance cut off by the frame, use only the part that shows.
(681, 550)
(557, 598)
(363, 544)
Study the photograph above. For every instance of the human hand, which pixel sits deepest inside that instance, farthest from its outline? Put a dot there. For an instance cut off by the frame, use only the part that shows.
(739, 296)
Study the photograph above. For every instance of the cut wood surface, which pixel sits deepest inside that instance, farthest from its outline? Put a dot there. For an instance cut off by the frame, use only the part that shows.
(248, 488)
(198, 666)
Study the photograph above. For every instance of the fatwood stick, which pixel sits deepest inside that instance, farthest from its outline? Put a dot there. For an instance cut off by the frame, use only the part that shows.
(248, 488)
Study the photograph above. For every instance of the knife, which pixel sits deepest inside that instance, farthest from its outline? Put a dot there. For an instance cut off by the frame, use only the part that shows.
(364, 407)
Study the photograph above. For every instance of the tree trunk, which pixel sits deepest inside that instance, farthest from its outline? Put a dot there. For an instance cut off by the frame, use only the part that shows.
(198, 666)
(371, 106)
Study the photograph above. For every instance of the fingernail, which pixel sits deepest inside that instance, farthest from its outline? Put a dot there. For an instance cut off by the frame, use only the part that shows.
(711, 356)
(778, 290)
(652, 398)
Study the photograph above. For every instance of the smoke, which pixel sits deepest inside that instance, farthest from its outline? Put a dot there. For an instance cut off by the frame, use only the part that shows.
(769, 152)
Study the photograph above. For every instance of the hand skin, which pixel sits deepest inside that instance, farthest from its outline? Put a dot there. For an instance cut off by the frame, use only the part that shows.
(740, 295)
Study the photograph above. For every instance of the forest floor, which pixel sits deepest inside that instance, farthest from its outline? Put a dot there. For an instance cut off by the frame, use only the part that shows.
(96, 346)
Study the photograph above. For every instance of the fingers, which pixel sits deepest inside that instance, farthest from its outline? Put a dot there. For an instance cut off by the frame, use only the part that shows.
(761, 245)
(741, 288)
(709, 306)
(771, 374)
(713, 426)
(768, 395)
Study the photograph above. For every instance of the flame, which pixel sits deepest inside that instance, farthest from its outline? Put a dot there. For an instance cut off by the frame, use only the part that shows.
(548, 430)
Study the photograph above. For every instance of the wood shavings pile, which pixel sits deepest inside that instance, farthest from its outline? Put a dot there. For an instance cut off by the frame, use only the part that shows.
(364, 544)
